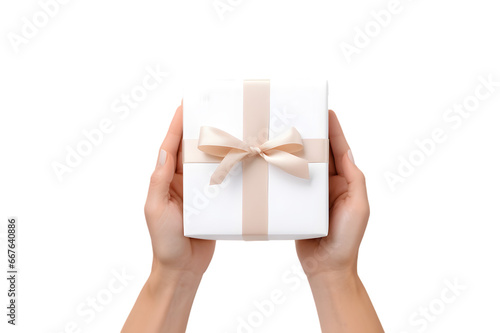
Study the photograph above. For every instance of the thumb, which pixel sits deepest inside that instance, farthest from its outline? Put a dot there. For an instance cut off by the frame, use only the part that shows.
(354, 177)
(162, 177)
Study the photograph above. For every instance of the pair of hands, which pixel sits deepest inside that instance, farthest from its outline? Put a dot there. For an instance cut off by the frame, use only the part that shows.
(333, 254)
(330, 263)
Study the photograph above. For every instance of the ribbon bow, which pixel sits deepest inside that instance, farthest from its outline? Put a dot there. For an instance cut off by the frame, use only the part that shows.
(278, 152)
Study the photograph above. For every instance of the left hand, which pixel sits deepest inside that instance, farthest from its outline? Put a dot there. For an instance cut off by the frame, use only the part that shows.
(173, 253)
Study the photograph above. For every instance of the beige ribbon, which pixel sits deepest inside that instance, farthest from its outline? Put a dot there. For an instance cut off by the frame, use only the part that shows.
(278, 152)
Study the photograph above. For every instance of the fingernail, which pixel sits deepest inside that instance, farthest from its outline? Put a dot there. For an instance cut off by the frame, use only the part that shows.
(163, 157)
(349, 154)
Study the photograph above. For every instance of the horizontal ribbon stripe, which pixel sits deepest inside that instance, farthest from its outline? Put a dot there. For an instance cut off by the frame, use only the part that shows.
(315, 151)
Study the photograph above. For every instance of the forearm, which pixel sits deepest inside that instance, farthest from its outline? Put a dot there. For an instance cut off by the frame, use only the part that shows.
(343, 304)
(164, 303)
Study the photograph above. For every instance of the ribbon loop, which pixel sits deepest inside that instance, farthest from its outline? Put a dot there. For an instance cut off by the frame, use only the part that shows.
(278, 152)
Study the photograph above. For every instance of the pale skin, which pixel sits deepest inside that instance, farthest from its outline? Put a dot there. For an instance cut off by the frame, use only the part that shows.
(330, 263)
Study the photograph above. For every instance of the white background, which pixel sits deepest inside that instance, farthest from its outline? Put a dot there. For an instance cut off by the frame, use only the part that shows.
(441, 224)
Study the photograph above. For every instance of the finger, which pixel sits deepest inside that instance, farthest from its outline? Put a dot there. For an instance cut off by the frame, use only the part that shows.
(161, 178)
(173, 139)
(338, 143)
(337, 187)
(331, 163)
(167, 159)
(179, 168)
(356, 184)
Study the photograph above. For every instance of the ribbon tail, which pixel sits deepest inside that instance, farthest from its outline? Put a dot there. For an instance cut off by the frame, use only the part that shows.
(289, 163)
(229, 161)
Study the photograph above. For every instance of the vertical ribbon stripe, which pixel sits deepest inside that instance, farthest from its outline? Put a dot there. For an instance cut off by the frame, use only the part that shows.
(256, 108)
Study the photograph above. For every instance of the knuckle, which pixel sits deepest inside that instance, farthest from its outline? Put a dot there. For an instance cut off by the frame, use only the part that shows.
(156, 177)
(367, 211)
(362, 177)
(362, 209)
(147, 211)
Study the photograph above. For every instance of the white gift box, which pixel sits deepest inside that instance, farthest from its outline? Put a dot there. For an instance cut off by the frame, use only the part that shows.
(274, 204)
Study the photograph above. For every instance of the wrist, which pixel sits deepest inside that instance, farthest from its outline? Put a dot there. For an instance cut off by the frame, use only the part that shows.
(165, 279)
(343, 304)
(332, 281)
(164, 302)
